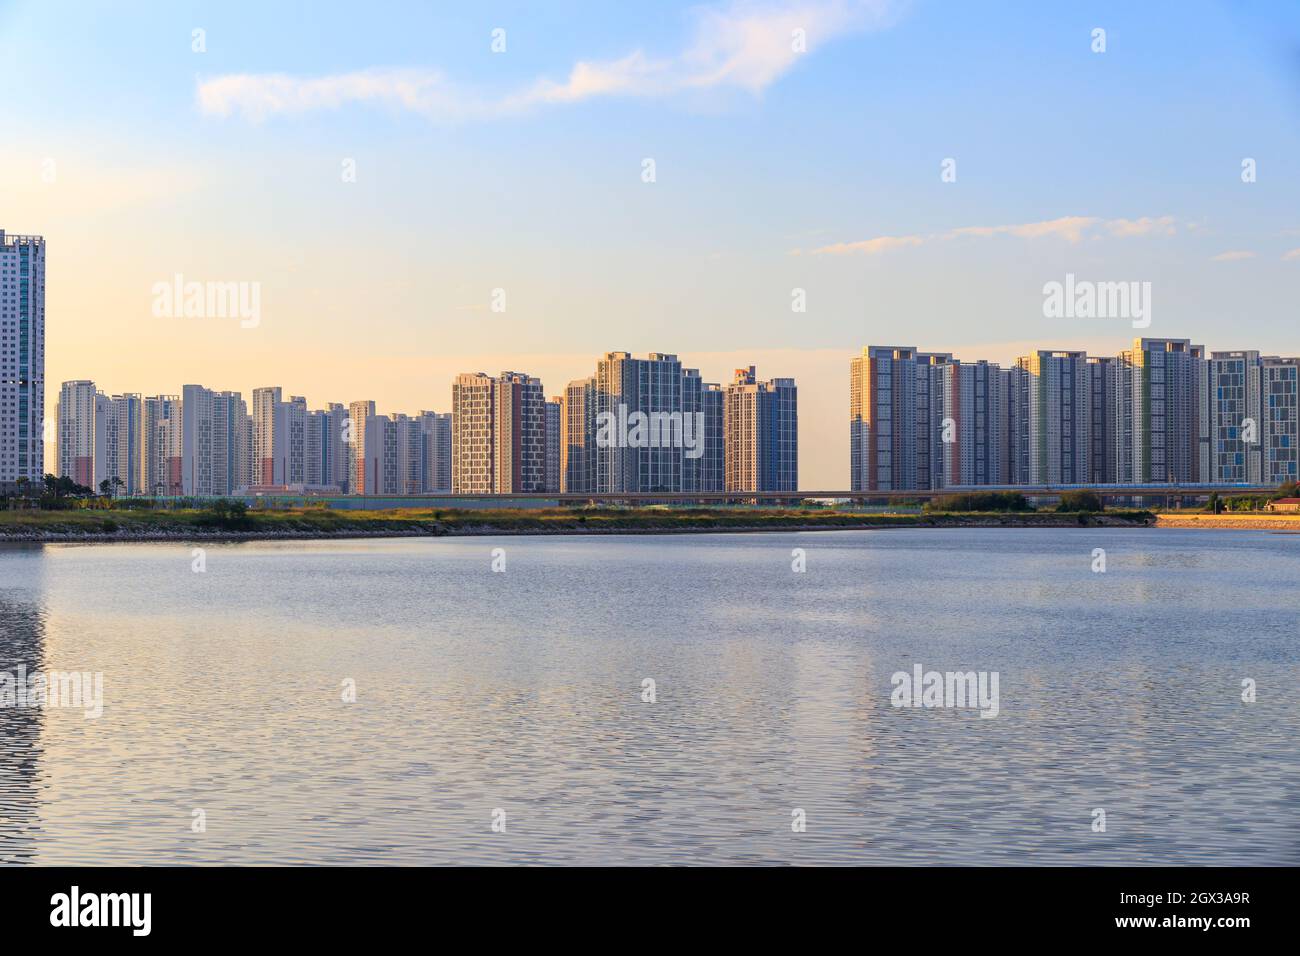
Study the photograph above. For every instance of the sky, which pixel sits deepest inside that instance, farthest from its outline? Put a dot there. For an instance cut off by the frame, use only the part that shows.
(384, 178)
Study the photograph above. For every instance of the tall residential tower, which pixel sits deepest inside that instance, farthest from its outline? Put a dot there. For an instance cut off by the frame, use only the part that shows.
(22, 360)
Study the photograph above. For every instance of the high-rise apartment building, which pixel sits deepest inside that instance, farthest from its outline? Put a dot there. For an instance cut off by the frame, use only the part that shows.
(1232, 404)
(163, 445)
(435, 437)
(1279, 433)
(641, 425)
(655, 388)
(498, 434)
(217, 443)
(882, 419)
(473, 434)
(578, 437)
(520, 425)
(972, 444)
(761, 434)
(1160, 425)
(1008, 423)
(233, 445)
(125, 463)
(713, 463)
(410, 455)
(315, 449)
(79, 435)
(554, 413)
(279, 439)
(383, 455)
(1101, 403)
(325, 465)
(692, 421)
(291, 445)
(355, 438)
(1057, 417)
(22, 360)
(325, 462)
(196, 440)
(337, 467)
(266, 415)
(1016, 389)
(930, 375)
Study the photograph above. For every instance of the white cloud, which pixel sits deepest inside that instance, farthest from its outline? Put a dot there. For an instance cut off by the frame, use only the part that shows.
(1145, 226)
(744, 45)
(1234, 255)
(750, 45)
(259, 95)
(1291, 254)
(869, 247)
(1069, 228)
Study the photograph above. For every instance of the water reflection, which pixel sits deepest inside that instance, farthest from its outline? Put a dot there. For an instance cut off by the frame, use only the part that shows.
(523, 691)
(22, 645)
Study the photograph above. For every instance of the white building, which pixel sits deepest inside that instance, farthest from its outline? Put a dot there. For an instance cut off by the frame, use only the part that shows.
(216, 444)
(354, 436)
(125, 455)
(163, 445)
(22, 360)
(383, 455)
(279, 438)
(80, 433)
(435, 430)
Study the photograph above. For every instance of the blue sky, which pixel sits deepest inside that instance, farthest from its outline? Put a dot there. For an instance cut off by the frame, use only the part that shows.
(521, 170)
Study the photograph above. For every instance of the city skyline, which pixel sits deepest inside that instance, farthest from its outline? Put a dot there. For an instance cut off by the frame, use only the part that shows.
(637, 425)
(1163, 411)
(383, 284)
(1166, 410)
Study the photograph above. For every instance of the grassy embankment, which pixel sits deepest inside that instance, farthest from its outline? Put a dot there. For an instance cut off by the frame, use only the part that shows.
(128, 524)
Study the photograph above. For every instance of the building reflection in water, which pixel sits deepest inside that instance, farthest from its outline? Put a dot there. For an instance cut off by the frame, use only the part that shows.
(22, 643)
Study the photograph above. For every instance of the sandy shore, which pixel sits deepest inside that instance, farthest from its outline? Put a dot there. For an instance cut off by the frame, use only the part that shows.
(1238, 522)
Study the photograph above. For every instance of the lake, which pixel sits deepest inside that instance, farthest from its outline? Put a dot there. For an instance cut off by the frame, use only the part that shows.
(400, 702)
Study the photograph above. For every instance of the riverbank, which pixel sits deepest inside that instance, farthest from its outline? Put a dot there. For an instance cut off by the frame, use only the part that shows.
(1249, 521)
(311, 523)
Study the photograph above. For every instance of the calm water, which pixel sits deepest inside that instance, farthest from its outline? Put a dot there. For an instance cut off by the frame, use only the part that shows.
(523, 691)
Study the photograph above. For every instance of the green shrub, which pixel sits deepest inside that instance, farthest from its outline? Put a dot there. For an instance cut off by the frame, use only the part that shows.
(1288, 489)
(225, 515)
(980, 501)
(1246, 503)
(1081, 500)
